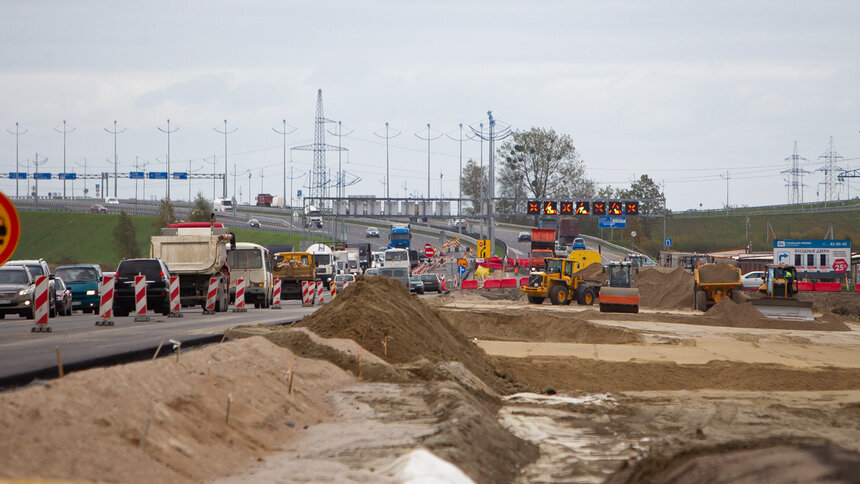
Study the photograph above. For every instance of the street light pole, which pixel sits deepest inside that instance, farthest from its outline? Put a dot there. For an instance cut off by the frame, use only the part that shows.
(168, 131)
(115, 177)
(225, 133)
(284, 133)
(17, 133)
(64, 131)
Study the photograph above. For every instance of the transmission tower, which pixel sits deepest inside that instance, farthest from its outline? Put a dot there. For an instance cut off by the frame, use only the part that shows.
(794, 181)
(832, 183)
(319, 180)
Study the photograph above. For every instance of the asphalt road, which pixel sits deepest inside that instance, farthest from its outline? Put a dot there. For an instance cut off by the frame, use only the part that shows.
(22, 351)
(521, 249)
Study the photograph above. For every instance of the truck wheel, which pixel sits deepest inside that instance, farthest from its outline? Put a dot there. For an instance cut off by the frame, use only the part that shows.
(701, 300)
(535, 300)
(586, 298)
(558, 295)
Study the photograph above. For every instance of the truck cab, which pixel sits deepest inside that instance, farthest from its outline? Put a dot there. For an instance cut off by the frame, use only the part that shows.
(325, 263)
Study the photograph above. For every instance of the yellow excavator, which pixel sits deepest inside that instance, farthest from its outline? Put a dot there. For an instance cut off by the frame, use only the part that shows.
(779, 287)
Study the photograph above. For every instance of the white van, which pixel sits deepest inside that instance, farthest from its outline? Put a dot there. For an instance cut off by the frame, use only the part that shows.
(252, 263)
(222, 205)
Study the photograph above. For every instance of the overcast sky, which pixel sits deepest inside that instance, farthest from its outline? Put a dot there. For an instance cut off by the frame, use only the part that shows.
(679, 90)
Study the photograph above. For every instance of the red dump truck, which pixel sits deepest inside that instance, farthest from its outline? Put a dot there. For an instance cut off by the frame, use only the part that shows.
(543, 246)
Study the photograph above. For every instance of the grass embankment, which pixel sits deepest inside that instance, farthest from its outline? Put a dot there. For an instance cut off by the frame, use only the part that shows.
(68, 237)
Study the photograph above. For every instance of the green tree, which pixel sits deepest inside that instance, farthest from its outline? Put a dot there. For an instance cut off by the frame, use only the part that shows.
(202, 209)
(475, 184)
(125, 237)
(541, 163)
(166, 214)
(641, 189)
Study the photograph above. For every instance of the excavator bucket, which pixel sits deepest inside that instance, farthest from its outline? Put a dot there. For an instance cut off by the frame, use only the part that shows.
(619, 300)
(784, 308)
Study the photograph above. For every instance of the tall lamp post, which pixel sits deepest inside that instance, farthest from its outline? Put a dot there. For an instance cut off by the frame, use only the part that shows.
(225, 132)
(115, 177)
(17, 133)
(64, 131)
(284, 133)
(168, 131)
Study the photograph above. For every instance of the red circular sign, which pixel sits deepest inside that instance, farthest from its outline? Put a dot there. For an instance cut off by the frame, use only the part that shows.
(10, 228)
(428, 251)
(839, 265)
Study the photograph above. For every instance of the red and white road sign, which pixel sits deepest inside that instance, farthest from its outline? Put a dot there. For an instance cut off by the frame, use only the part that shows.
(174, 295)
(140, 295)
(106, 298)
(276, 295)
(428, 250)
(240, 296)
(840, 265)
(42, 303)
(210, 296)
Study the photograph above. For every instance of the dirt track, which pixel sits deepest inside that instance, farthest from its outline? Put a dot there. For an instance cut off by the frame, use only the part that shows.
(504, 390)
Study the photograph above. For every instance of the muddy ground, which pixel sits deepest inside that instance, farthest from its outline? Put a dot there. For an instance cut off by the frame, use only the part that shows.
(387, 386)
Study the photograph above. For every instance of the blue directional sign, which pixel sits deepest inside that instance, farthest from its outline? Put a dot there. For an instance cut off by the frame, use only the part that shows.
(612, 222)
(298, 194)
(461, 270)
(19, 175)
(158, 175)
(42, 176)
(67, 176)
(667, 242)
(180, 175)
(136, 175)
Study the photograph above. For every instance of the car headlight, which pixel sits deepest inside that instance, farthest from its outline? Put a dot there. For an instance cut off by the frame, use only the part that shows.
(91, 292)
(23, 292)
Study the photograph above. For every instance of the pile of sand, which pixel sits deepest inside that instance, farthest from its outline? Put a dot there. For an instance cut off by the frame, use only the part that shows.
(88, 426)
(719, 272)
(727, 309)
(377, 309)
(745, 315)
(842, 303)
(537, 326)
(664, 288)
(593, 272)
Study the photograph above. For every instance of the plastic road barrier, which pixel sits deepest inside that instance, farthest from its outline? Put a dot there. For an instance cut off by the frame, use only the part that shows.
(240, 296)
(174, 298)
(210, 296)
(333, 292)
(320, 293)
(40, 309)
(106, 301)
(140, 298)
(470, 284)
(276, 295)
(307, 293)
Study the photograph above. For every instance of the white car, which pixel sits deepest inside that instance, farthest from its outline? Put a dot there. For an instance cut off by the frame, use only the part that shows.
(371, 232)
(752, 280)
(112, 201)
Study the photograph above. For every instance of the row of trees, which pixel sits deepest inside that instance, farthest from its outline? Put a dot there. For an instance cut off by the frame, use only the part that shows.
(543, 164)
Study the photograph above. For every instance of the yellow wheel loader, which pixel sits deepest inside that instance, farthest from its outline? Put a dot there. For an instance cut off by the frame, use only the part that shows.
(779, 287)
(558, 283)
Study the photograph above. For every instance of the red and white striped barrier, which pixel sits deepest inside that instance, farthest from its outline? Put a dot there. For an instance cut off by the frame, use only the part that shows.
(346, 284)
(210, 296)
(240, 296)
(173, 291)
(332, 292)
(307, 293)
(320, 299)
(140, 298)
(41, 306)
(106, 301)
(276, 295)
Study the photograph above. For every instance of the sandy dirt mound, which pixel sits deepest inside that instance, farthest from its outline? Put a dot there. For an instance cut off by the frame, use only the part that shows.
(593, 272)
(782, 459)
(664, 289)
(379, 309)
(536, 326)
(501, 294)
(719, 272)
(569, 373)
(842, 303)
(89, 425)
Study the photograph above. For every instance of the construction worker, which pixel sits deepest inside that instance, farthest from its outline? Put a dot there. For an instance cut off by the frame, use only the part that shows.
(789, 282)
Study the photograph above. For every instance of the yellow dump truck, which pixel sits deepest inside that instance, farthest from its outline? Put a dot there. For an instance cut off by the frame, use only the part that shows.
(293, 268)
(714, 282)
(559, 283)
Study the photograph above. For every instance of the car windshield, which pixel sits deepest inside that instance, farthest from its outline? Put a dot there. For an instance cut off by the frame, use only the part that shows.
(414, 278)
(397, 255)
(78, 274)
(245, 259)
(429, 277)
(13, 277)
(322, 259)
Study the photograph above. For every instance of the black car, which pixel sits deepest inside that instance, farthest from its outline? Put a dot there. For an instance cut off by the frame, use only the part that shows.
(524, 237)
(157, 286)
(431, 283)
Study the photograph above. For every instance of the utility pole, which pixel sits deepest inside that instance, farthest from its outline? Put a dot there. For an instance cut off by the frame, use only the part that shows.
(17, 133)
(387, 176)
(460, 182)
(284, 133)
(85, 176)
(115, 178)
(428, 138)
(339, 186)
(225, 132)
(64, 131)
(727, 190)
(492, 137)
(36, 163)
(168, 131)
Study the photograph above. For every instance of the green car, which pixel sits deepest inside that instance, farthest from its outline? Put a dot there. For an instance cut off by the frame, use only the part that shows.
(83, 280)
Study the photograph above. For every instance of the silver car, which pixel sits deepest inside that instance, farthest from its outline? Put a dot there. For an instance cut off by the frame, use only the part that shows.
(16, 292)
(752, 280)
